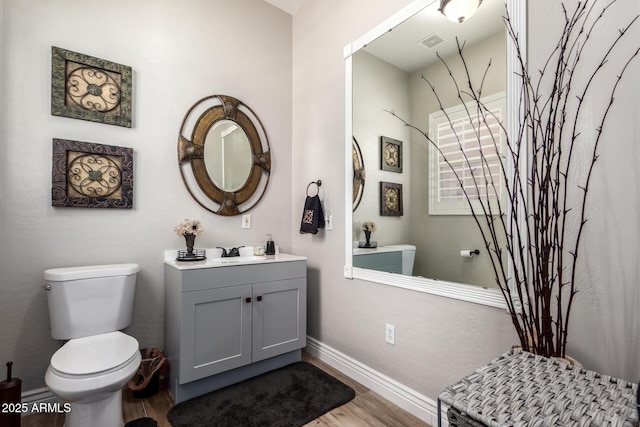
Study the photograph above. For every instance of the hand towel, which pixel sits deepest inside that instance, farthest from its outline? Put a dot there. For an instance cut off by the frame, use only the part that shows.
(312, 215)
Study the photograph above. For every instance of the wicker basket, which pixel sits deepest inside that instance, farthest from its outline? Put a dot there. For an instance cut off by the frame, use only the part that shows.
(522, 389)
(458, 419)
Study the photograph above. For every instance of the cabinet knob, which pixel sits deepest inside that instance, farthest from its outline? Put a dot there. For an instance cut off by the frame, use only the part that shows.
(247, 300)
(260, 298)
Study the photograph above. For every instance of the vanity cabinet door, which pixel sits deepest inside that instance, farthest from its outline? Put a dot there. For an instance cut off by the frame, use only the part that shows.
(279, 317)
(216, 331)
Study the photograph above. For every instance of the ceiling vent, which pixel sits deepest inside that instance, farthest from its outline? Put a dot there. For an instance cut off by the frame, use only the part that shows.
(431, 41)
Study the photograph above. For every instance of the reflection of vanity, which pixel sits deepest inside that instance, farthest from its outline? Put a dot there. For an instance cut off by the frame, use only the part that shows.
(229, 319)
(390, 258)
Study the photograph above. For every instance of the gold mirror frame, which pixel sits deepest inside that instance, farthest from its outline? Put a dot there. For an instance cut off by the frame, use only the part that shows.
(195, 126)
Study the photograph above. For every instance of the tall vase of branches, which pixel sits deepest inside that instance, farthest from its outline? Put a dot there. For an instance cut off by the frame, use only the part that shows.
(533, 238)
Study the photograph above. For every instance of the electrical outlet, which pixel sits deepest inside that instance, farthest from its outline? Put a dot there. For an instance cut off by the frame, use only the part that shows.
(246, 221)
(390, 334)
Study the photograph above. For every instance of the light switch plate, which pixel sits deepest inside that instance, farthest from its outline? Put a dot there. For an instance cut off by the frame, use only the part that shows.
(246, 221)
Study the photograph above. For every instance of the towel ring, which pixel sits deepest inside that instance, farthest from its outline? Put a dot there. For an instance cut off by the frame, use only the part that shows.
(318, 183)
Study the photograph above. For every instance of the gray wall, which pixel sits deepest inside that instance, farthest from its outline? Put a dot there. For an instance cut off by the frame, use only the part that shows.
(179, 52)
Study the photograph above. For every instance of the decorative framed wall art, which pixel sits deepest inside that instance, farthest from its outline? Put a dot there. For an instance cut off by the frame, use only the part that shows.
(390, 199)
(88, 175)
(390, 154)
(88, 88)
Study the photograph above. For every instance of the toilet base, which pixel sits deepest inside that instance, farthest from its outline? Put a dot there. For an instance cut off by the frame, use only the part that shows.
(106, 412)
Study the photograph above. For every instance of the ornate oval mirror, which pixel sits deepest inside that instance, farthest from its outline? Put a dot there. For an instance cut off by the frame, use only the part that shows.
(223, 154)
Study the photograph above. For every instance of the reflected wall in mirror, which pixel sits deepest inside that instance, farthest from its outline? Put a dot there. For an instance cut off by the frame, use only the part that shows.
(223, 154)
(387, 72)
(227, 155)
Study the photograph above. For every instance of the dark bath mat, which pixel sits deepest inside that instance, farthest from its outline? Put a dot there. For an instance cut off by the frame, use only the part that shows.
(287, 397)
(142, 422)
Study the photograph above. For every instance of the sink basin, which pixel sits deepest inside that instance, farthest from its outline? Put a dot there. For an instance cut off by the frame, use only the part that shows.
(239, 259)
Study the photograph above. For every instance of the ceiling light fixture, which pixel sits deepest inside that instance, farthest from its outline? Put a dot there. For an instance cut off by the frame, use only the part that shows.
(459, 10)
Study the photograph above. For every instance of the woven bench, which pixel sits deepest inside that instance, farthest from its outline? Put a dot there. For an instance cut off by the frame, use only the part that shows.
(521, 389)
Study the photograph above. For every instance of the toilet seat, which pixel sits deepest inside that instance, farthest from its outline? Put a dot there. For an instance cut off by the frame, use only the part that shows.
(94, 355)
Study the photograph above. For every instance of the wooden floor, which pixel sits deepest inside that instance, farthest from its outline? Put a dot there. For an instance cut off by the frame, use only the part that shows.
(367, 409)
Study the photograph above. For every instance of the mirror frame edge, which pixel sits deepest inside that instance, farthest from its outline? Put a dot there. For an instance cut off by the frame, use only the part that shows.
(348, 165)
(458, 291)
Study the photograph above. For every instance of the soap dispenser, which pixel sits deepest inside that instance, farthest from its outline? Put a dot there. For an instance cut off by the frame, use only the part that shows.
(271, 246)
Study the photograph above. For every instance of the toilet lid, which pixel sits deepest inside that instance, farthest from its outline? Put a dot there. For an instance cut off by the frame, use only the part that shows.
(88, 355)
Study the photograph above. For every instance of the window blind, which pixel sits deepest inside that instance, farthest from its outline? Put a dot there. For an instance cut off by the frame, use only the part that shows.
(469, 145)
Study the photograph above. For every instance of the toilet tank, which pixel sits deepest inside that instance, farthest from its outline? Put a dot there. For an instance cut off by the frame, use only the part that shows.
(90, 300)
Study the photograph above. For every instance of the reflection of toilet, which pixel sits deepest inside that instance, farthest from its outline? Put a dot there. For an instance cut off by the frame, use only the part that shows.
(88, 306)
(408, 257)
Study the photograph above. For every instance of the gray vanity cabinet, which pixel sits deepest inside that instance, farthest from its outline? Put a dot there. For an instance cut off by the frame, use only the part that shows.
(228, 323)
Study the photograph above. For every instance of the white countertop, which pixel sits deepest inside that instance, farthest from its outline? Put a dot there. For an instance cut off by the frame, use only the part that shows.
(214, 259)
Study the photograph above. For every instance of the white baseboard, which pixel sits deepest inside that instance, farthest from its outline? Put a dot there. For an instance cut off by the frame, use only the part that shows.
(39, 395)
(406, 398)
(33, 399)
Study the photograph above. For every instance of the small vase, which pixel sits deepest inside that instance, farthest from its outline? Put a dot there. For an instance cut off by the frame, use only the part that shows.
(190, 239)
(367, 236)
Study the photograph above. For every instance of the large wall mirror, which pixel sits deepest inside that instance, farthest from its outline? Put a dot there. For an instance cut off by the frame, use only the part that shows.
(431, 246)
(223, 154)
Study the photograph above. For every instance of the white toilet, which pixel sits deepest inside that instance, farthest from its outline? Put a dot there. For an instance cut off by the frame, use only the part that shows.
(88, 306)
